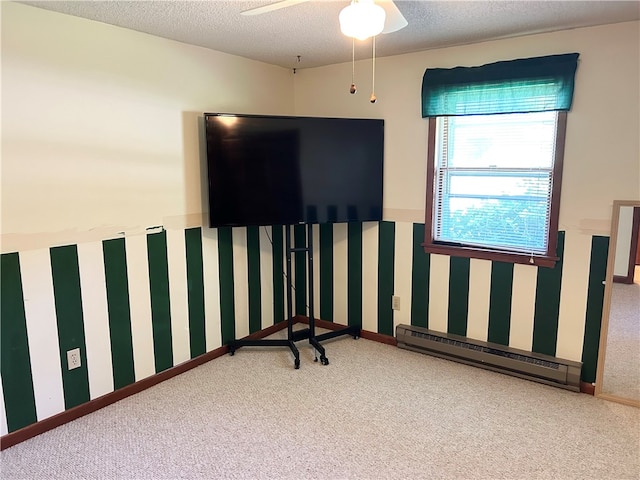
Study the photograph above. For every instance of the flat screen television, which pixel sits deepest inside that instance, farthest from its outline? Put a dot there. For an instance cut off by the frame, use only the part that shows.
(284, 170)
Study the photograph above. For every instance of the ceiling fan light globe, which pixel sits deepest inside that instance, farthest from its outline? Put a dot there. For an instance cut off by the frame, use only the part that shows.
(362, 19)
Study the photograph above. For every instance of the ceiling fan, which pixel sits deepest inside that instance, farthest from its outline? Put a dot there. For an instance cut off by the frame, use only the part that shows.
(392, 20)
(361, 19)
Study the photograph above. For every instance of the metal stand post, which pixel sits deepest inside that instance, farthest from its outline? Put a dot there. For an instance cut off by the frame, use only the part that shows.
(307, 333)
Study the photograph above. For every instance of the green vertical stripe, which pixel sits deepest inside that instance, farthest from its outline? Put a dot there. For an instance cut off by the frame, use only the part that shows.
(195, 291)
(458, 295)
(595, 300)
(160, 304)
(547, 306)
(386, 260)
(253, 268)
(326, 271)
(227, 305)
(500, 302)
(354, 273)
(15, 363)
(420, 265)
(68, 302)
(117, 285)
(300, 241)
(277, 249)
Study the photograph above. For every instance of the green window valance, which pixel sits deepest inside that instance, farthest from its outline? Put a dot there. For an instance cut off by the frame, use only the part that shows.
(516, 86)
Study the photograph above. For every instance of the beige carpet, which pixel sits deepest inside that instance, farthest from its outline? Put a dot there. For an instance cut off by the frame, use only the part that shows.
(622, 361)
(375, 412)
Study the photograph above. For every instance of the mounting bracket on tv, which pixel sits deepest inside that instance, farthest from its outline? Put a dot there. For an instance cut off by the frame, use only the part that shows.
(283, 170)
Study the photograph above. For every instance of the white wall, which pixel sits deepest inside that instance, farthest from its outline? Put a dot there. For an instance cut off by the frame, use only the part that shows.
(602, 154)
(101, 135)
(623, 242)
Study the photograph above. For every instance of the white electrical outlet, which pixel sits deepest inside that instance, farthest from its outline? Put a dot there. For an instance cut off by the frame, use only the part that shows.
(395, 302)
(73, 358)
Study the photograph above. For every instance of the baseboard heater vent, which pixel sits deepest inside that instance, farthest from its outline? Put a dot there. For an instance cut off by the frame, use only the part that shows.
(491, 356)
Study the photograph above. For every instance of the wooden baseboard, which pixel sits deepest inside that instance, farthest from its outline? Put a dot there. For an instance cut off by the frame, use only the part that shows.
(587, 388)
(61, 418)
(91, 406)
(369, 335)
(265, 332)
(620, 279)
(379, 337)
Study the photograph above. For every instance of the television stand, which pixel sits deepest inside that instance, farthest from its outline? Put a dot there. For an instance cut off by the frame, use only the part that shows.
(294, 336)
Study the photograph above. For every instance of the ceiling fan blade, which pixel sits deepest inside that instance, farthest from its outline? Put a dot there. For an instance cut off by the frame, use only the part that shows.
(272, 6)
(394, 20)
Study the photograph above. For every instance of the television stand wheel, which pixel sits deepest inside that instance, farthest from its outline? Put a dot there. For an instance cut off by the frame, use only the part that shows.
(324, 360)
(296, 363)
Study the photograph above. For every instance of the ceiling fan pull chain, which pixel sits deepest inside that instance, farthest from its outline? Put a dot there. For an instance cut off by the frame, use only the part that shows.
(353, 89)
(373, 97)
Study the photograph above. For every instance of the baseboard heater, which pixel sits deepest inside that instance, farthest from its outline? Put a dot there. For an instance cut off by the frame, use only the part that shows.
(491, 356)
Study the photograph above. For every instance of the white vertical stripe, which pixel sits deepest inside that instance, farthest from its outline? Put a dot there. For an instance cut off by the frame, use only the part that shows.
(294, 293)
(316, 270)
(42, 332)
(285, 281)
(294, 311)
(479, 294)
(266, 278)
(402, 271)
(140, 302)
(240, 281)
(340, 258)
(96, 318)
(573, 296)
(439, 293)
(370, 249)
(211, 275)
(178, 296)
(4, 429)
(523, 302)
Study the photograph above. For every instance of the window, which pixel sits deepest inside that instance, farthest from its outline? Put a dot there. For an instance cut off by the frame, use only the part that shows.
(495, 153)
(492, 184)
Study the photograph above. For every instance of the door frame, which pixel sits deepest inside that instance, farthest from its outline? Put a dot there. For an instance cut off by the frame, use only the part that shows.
(633, 250)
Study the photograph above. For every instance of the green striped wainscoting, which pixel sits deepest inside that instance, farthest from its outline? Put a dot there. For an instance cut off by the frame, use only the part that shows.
(139, 305)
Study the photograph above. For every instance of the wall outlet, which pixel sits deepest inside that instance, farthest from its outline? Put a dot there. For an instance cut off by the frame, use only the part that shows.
(73, 358)
(395, 302)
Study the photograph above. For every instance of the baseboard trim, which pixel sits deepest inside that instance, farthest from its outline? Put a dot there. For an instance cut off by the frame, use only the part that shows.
(588, 388)
(369, 335)
(585, 387)
(379, 337)
(91, 406)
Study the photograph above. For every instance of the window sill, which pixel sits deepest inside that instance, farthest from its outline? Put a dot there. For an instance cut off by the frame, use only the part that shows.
(495, 255)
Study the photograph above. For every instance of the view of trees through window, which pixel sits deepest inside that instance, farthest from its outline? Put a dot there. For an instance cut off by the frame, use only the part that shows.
(494, 179)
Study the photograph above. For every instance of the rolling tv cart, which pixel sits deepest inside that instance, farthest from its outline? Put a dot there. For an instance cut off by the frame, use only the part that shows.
(306, 333)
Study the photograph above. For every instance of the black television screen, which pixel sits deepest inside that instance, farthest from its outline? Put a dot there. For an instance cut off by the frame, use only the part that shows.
(281, 170)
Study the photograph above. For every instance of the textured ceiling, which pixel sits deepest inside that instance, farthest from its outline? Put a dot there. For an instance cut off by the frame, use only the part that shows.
(311, 29)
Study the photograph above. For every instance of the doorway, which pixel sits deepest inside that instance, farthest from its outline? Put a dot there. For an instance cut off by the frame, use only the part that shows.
(627, 256)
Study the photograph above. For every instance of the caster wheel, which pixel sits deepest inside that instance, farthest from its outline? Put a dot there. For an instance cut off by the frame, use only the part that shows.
(232, 352)
(324, 360)
(315, 359)
(297, 364)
